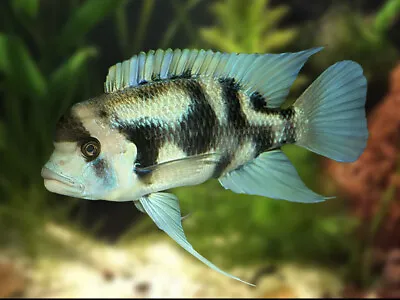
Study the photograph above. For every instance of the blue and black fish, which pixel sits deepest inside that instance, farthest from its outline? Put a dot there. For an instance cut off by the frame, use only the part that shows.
(180, 117)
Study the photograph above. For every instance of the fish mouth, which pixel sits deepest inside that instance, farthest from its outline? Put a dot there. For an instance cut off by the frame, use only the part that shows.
(57, 183)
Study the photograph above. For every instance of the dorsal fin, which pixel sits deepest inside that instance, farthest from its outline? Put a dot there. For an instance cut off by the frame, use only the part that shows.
(271, 75)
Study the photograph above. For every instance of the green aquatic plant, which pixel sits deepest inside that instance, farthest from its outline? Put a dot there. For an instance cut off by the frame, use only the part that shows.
(48, 61)
(248, 26)
(181, 18)
(131, 44)
(44, 62)
(348, 34)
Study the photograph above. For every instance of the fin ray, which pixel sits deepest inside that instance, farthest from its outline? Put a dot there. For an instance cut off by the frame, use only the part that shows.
(186, 166)
(269, 74)
(163, 209)
(139, 206)
(271, 175)
(334, 108)
(191, 170)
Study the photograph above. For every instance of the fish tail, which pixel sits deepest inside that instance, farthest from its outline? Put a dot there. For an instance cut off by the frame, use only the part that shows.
(330, 114)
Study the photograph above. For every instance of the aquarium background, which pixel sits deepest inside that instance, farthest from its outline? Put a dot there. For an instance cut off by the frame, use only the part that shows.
(56, 53)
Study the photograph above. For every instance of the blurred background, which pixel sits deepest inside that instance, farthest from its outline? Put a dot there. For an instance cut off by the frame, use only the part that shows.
(56, 53)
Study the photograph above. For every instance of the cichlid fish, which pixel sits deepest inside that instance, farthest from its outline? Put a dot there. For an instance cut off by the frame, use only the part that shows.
(180, 117)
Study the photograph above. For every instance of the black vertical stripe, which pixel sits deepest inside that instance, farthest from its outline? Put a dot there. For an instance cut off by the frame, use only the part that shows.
(222, 165)
(235, 114)
(148, 138)
(267, 135)
(264, 138)
(198, 126)
(236, 119)
(289, 132)
(70, 129)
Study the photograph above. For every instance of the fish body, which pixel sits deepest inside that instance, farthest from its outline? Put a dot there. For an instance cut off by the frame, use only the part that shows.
(182, 118)
(178, 118)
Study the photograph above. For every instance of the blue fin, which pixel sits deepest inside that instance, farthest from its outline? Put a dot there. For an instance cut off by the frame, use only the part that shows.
(190, 170)
(189, 165)
(332, 113)
(271, 75)
(139, 206)
(164, 209)
(271, 175)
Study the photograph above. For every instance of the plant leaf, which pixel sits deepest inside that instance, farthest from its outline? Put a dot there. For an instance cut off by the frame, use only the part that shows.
(255, 18)
(278, 39)
(249, 27)
(274, 16)
(84, 18)
(121, 26)
(5, 65)
(20, 68)
(223, 13)
(145, 14)
(64, 80)
(181, 19)
(27, 7)
(386, 15)
(2, 136)
(222, 43)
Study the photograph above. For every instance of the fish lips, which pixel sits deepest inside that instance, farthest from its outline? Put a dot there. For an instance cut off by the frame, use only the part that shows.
(58, 183)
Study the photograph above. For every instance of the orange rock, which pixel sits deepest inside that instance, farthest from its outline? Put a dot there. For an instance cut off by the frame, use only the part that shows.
(12, 283)
(390, 281)
(283, 292)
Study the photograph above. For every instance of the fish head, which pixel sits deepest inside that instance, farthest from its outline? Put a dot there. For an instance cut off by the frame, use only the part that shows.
(91, 160)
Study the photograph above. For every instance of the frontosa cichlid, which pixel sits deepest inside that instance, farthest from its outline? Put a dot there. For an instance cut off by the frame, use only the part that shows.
(180, 117)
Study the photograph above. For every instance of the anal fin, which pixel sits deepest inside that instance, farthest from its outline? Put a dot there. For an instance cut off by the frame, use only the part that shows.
(271, 175)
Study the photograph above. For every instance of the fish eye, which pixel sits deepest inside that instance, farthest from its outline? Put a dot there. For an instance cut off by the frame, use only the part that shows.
(91, 149)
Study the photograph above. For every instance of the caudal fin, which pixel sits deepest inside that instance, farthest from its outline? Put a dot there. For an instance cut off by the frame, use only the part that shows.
(331, 113)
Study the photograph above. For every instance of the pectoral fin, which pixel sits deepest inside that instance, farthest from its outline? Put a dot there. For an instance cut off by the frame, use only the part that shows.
(190, 170)
(183, 166)
(271, 175)
(164, 210)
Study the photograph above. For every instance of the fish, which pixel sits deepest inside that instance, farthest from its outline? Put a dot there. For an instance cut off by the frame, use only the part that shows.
(172, 118)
